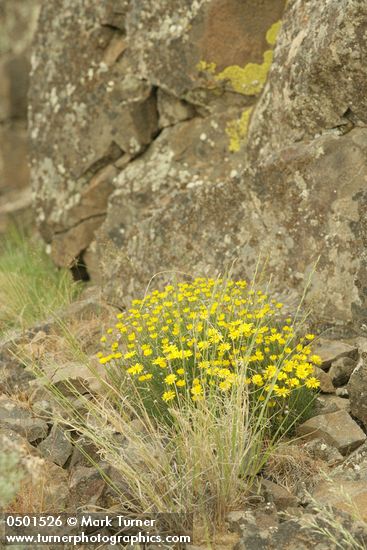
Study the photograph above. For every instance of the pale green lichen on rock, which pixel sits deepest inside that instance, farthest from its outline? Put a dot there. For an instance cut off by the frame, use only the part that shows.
(237, 130)
(248, 80)
(272, 34)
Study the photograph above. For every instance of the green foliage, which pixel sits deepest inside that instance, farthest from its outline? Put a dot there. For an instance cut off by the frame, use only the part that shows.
(31, 287)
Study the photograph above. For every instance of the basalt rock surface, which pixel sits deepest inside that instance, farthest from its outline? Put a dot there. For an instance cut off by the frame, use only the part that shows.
(132, 174)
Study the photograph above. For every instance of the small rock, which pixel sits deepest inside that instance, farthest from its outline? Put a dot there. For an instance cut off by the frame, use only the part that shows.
(56, 446)
(281, 497)
(331, 350)
(86, 486)
(341, 370)
(16, 417)
(42, 407)
(321, 450)
(290, 535)
(348, 496)
(342, 392)
(56, 486)
(357, 457)
(72, 379)
(325, 404)
(338, 429)
(326, 385)
(81, 451)
(14, 377)
(237, 520)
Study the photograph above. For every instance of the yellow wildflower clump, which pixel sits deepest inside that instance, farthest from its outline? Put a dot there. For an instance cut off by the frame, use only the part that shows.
(195, 339)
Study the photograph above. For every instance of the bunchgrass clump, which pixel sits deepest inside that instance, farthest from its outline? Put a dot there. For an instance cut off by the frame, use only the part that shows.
(200, 383)
(31, 286)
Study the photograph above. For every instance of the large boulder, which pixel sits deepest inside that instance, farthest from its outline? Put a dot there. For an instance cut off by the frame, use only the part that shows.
(299, 197)
(307, 143)
(107, 78)
(131, 168)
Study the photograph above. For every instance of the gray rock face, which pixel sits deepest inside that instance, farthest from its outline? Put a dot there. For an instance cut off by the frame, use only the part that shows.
(313, 102)
(18, 20)
(357, 389)
(119, 72)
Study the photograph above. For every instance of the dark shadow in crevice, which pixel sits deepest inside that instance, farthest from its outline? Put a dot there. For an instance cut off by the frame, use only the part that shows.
(79, 270)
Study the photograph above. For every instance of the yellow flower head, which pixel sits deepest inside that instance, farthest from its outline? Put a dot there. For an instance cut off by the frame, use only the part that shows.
(168, 395)
(170, 379)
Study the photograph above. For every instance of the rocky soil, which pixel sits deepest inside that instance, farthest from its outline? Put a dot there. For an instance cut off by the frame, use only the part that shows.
(326, 465)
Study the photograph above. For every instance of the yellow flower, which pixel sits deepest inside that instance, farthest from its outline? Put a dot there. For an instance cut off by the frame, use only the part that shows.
(225, 346)
(293, 382)
(144, 377)
(180, 371)
(270, 371)
(310, 336)
(180, 383)
(197, 390)
(129, 354)
(135, 369)
(281, 392)
(168, 395)
(131, 337)
(203, 344)
(316, 360)
(160, 362)
(103, 339)
(147, 352)
(303, 370)
(225, 385)
(170, 379)
(312, 382)
(257, 379)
